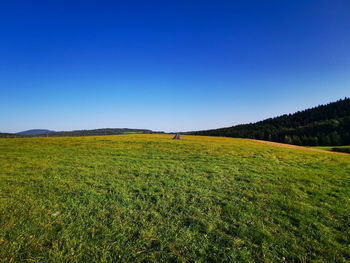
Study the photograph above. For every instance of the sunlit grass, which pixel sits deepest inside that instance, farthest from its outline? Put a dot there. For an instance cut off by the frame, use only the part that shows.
(147, 198)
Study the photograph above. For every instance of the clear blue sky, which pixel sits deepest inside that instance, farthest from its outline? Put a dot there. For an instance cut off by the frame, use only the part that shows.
(168, 65)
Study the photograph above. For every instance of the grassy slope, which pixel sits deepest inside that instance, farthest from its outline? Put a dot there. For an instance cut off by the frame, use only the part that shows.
(149, 198)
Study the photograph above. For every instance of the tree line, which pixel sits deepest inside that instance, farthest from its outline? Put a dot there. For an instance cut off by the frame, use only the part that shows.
(323, 125)
(95, 132)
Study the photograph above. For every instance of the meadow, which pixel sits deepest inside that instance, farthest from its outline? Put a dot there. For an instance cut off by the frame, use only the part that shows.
(148, 198)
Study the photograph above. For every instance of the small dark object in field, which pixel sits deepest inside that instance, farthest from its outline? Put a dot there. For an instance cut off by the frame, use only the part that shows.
(177, 137)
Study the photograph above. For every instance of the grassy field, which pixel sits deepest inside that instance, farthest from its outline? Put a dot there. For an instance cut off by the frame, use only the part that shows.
(343, 149)
(147, 198)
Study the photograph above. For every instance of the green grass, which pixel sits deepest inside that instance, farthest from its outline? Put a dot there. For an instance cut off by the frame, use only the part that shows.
(147, 198)
(343, 149)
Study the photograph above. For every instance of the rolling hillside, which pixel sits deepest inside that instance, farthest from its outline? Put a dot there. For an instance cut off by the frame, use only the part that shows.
(94, 132)
(323, 125)
(35, 132)
(148, 198)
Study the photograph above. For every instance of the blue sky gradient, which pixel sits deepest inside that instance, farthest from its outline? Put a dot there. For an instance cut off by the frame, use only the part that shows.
(168, 65)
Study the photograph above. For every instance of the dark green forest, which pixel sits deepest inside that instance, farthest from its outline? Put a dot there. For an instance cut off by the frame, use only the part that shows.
(319, 126)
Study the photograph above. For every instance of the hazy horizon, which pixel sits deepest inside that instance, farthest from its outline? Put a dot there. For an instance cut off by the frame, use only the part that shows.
(174, 66)
(158, 130)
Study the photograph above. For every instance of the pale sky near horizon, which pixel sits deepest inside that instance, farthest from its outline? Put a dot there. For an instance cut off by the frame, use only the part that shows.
(168, 65)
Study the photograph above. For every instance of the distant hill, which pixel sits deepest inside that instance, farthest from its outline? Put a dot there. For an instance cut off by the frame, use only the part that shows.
(96, 132)
(319, 126)
(35, 132)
